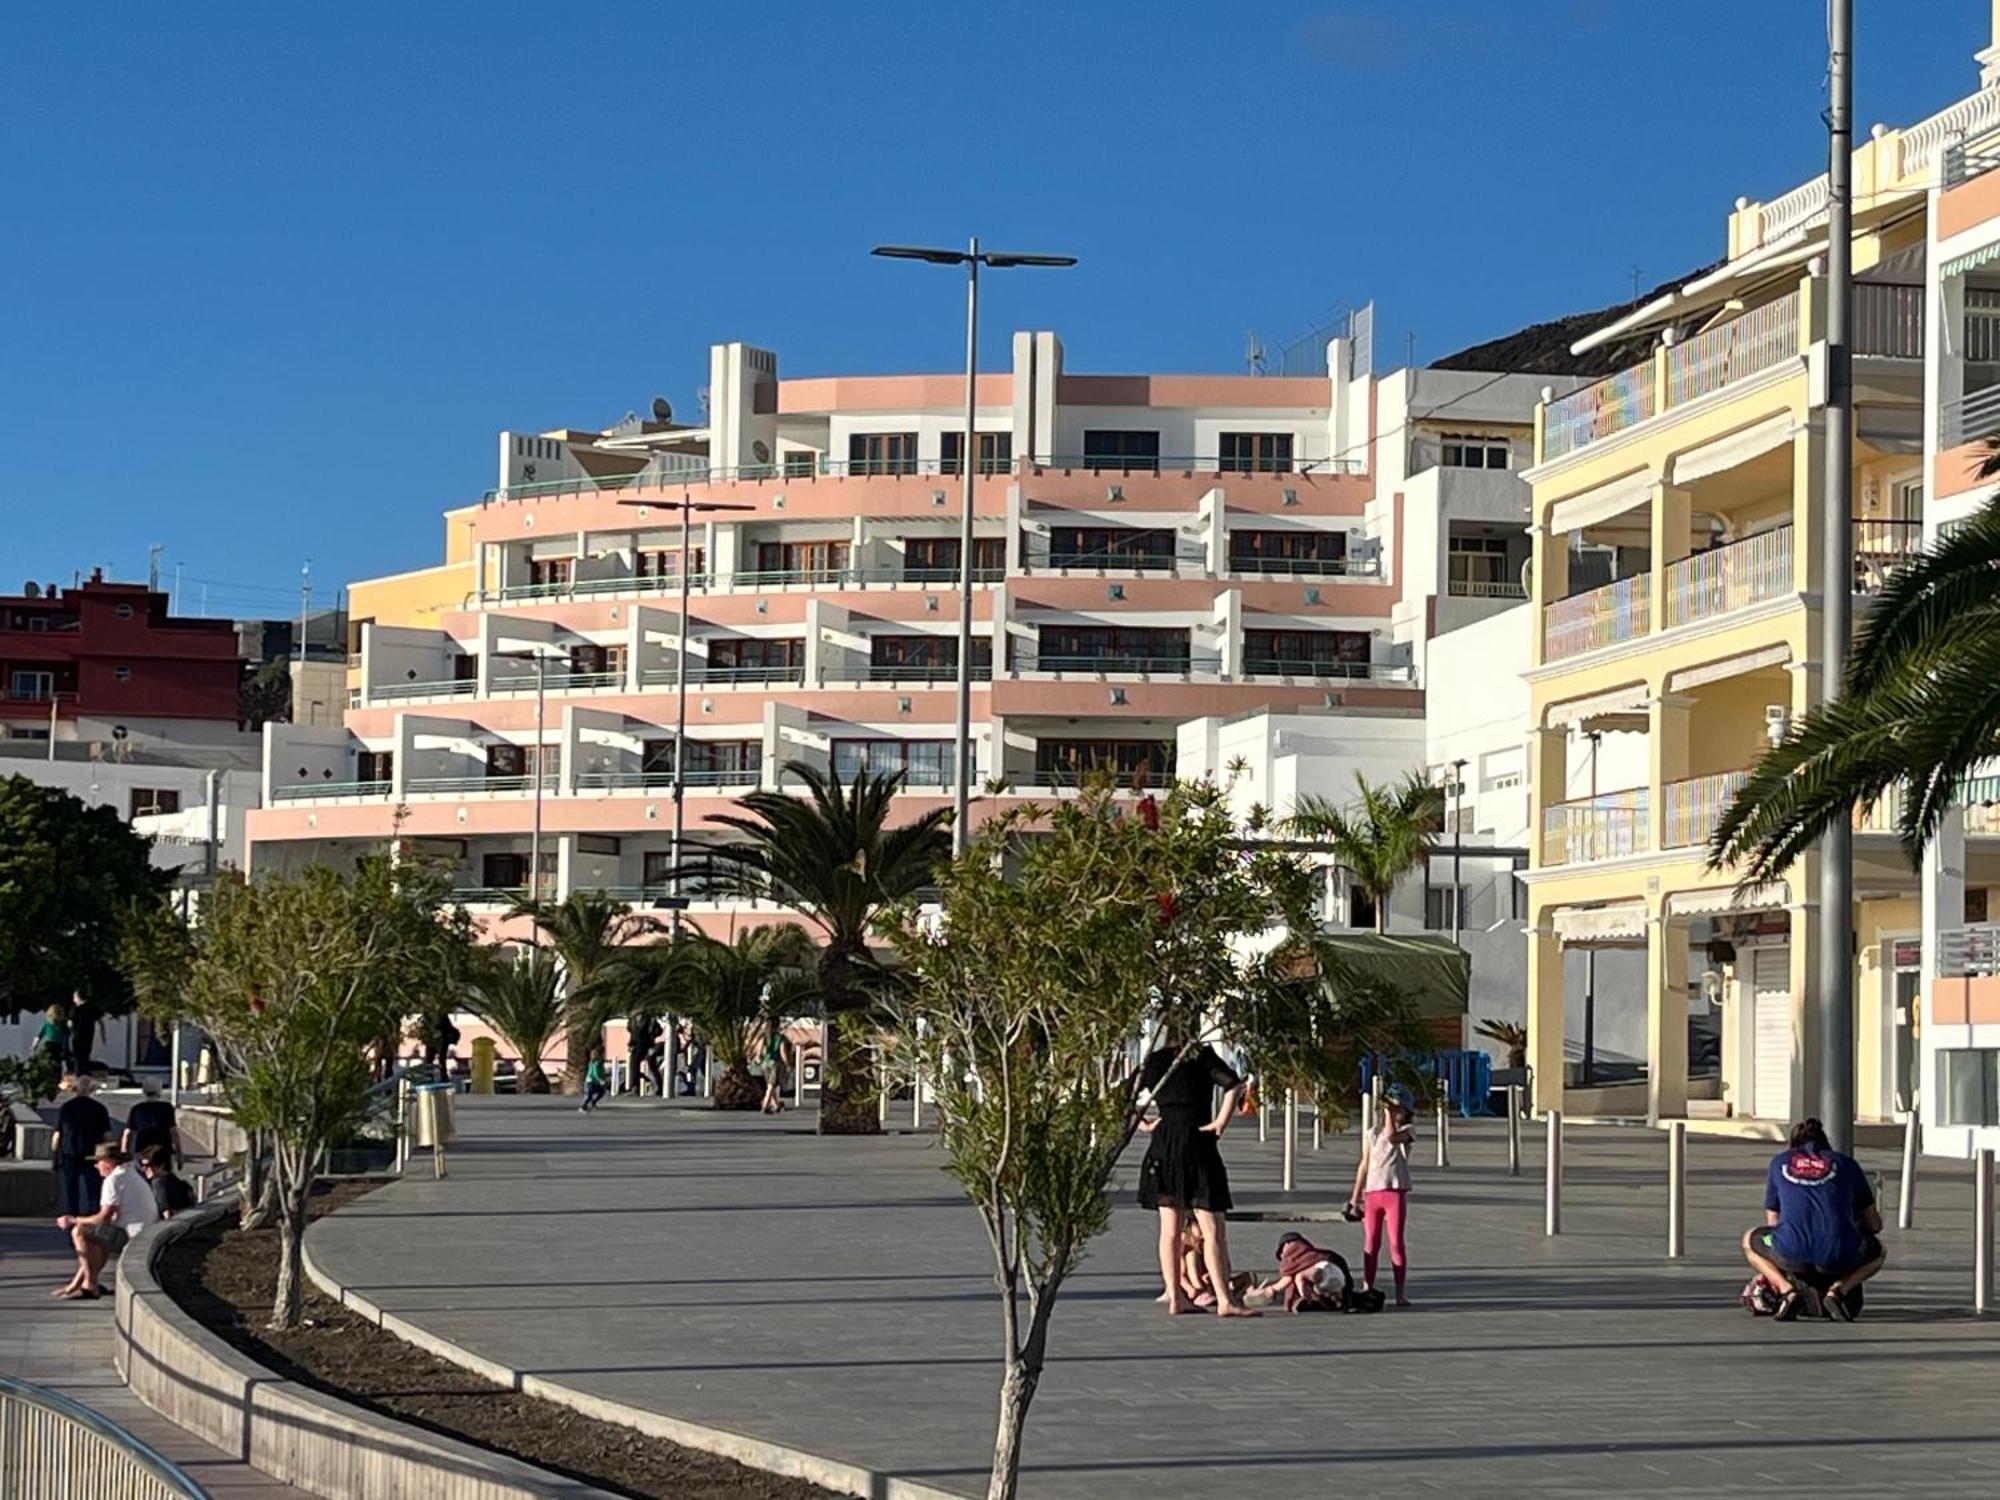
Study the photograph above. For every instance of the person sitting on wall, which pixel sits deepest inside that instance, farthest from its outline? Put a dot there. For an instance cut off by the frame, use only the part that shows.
(1818, 1242)
(125, 1205)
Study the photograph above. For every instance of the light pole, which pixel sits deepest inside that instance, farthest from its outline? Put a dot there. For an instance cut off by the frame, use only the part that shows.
(687, 506)
(540, 658)
(972, 258)
(1457, 848)
(1595, 736)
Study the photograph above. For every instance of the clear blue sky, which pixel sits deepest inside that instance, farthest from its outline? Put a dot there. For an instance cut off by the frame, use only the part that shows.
(276, 275)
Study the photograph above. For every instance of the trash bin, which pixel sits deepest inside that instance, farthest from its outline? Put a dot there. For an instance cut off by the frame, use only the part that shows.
(482, 1064)
(437, 1119)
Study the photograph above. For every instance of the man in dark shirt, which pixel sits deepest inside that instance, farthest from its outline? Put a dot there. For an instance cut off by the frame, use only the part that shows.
(169, 1192)
(151, 1122)
(82, 1125)
(1819, 1238)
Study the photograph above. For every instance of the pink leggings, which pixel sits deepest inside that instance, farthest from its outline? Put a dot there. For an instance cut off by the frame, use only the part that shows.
(1383, 1207)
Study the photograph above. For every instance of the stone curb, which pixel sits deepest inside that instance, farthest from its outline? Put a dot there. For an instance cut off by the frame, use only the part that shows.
(756, 1453)
(291, 1432)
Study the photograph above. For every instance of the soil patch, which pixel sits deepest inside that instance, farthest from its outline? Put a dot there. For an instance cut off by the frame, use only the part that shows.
(226, 1277)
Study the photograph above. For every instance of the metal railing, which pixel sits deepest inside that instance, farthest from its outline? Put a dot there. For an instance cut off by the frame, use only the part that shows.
(1745, 345)
(1597, 411)
(1690, 809)
(617, 781)
(1725, 579)
(1359, 671)
(726, 676)
(454, 687)
(1973, 415)
(1880, 548)
(305, 789)
(1209, 463)
(1114, 562)
(499, 895)
(460, 785)
(1486, 588)
(1171, 666)
(1969, 952)
(53, 1448)
(623, 583)
(883, 671)
(1609, 826)
(1888, 320)
(1305, 567)
(558, 682)
(1602, 617)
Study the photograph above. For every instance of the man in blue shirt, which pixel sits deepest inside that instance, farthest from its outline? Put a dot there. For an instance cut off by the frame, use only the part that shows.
(1818, 1241)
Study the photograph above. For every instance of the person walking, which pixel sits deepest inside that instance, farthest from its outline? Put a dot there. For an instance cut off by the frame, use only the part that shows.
(49, 1035)
(149, 1123)
(1382, 1190)
(1183, 1172)
(82, 1125)
(774, 1067)
(642, 1033)
(594, 1085)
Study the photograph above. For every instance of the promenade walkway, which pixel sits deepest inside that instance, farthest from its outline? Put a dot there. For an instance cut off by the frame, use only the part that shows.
(835, 1296)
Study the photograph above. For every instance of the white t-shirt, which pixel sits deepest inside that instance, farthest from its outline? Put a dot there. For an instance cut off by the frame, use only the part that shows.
(128, 1189)
(1388, 1162)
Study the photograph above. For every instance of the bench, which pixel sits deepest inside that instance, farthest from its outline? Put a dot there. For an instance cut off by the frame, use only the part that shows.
(34, 1137)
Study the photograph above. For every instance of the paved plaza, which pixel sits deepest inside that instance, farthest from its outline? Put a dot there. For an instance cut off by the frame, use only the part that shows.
(835, 1296)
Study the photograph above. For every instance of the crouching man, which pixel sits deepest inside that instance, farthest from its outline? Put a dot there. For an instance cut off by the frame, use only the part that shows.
(1819, 1240)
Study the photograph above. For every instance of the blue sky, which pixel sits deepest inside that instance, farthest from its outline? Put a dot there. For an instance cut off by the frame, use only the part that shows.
(276, 275)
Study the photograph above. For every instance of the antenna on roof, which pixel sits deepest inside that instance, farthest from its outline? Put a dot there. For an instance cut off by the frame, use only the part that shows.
(1253, 352)
(1634, 272)
(663, 409)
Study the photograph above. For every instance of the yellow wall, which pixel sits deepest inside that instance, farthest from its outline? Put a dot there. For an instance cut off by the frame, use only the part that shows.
(1726, 724)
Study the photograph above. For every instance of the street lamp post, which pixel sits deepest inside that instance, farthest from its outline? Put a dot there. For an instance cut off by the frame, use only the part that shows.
(1596, 737)
(1457, 848)
(540, 658)
(972, 258)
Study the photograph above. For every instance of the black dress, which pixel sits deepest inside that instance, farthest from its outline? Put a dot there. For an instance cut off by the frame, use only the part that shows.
(1183, 1167)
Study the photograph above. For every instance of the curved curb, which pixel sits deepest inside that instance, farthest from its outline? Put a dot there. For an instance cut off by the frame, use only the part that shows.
(289, 1431)
(756, 1453)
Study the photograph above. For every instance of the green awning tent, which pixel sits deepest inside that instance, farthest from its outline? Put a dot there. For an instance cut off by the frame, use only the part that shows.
(1434, 971)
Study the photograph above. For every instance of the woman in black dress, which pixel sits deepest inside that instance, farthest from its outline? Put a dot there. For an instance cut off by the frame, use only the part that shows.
(1183, 1172)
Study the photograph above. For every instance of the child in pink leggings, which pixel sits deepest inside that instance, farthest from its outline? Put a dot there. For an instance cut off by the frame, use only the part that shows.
(1382, 1189)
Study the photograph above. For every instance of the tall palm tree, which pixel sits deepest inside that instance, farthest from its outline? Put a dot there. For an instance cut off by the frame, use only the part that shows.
(592, 935)
(1379, 838)
(1919, 711)
(733, 991)
(832, 857)
(520, 996)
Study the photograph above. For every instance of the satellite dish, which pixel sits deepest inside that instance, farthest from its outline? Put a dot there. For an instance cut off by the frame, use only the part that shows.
(663, 410)
(31, 590)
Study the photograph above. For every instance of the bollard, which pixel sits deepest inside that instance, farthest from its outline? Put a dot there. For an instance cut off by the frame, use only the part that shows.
(917, 1103)
(1677, 1173)
(1317, 1122)
(1367, 1114)
(1906, 1189)
(1263, 1112)
(1443, 1130)
(1982, 1230)
(1513, 1130)
(1291, 1137)
(1552, 1222)
(402, 1121)
(881, 1091)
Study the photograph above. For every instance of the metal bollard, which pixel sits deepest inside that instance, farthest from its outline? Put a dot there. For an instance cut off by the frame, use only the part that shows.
(1552, 1172)
(402, 1122)
(798, 1074)
(1677, 1169)
(1291, 1138)
(1318, 1122)
(1906, 1188)
(1263, 1114)
(1367, 1114)
(1443, 1130)
(1982, 1231)
(1513, 1130)
(881, 1091)
(917, 1103)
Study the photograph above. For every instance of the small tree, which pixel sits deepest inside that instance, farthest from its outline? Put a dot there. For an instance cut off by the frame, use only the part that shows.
(591, 933)
(293, 978)
(733, 991)
(519, 995)
(1055, 951)
(1379, 839)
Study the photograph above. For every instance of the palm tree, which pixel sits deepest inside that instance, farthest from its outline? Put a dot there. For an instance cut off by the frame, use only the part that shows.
(1379, 839)
(1919, 711)
(591, 934)
(832, 857)
(520, 996)
(734, 991)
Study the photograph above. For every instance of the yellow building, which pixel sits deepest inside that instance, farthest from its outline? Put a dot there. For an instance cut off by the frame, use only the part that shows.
(1678, 523)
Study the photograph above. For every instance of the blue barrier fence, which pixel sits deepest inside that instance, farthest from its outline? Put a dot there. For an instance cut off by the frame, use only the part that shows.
(1467, 1076)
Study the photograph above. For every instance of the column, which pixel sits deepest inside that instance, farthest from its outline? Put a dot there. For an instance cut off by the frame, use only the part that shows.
(1549, 582)
(1667, 750)
(1671, 523)
(1548, 783)
(1666, 1018)
(1545, 1010)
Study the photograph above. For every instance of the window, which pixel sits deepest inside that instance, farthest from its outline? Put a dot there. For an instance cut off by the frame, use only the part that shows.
(1137, 762)
(121, 674)
(124, 611)
(1110, 547)
(375, 765)
(1307, 653)
(1310, 552)
(1969, 1079)
(710, 762)
(147, 800)
(804, 562)
(35, 687)
(464, 668)
(918, 762)
(1112, 648)
(509, 872)
(551, 572)
(1122, 451)
(996, 452)
(1256, 453)
(934, 559)
(882, 453)
(798, 465)
(1440, 904)
(751, 659)
(514, 760)
(665, 563)
(1473, 451)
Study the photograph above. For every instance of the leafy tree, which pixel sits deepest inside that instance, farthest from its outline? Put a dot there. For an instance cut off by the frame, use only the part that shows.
(1919, 711)
(832, 857)
(1058, 947)
(1380, 838)
(591, 934)
(293, 978)
(519, 994)
(264, 696)
(71, 878)
(734, 991)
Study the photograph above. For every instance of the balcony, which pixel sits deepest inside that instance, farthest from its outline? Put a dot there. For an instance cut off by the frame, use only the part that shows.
(626, 781)
(1486, 588)
(1113, 562)
(726, 676)
(1305, 567)
(455, 687)
(1184, 665)
(1612, 825)
(1353, 671)
(1880, 548)
(346, 790)
(1971, 952)
(914, 672)
(1726, 579)
(1691, 809)
(1974, 415)
(1606, 616)
(459, 786)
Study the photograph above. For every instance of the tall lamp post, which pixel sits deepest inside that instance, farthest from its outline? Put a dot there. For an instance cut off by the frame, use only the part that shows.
(1596, 737)
(972, 258)
(540, 657)
(1457, 849)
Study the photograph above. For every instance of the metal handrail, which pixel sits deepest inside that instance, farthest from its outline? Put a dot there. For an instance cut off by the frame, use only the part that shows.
(1360, 671)
(656, 780)
(449, 785)
(51, 1445)
(1974, 415)
(1304, 567)
(305, 789)
(453, 687)
(1180, 666)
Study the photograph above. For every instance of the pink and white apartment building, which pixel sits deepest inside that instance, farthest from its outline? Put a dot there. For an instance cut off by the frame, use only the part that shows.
(1150, 550)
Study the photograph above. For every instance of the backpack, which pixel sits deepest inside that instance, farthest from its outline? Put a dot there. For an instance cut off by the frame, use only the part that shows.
(1759, 1298)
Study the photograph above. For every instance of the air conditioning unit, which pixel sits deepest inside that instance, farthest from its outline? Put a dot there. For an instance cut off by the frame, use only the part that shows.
(1777, 722)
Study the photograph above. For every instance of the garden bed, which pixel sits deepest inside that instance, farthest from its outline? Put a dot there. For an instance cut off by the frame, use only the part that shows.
(225, 1279)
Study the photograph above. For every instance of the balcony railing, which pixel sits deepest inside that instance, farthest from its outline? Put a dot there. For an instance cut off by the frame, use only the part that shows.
(885, 671)
(1880, 548)
(499, 895)
(1146, 463)
(1597, 411)
(1725, 579)
(453, 786)
(1602, 617)
(1486, 588)
(622, 584)
(1888, 320)
(1305, 567)
(1744, 346)
(454, 687)
(557, 682)
(1974, 415)
(621, 781)
(1609, 826)
(1114, 562)
(344, 789)
(1969, 952)
(1357, 671)
(724, 676)
(1691, 809)
(1171, 666)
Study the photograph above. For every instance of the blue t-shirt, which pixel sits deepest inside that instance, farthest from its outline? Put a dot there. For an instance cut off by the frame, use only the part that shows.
(1819, 1196)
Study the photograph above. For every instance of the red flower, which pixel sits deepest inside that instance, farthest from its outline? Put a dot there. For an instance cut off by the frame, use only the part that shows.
(257, 1005)
(1165, 901)
(1149, 813)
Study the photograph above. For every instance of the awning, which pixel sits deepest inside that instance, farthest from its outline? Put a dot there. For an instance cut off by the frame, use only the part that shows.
(1433, 971)
(1890, 429)
(1597, 924)
(1733, 666)
(1624, 700)
(1601, 503)
(1971, 261)
(1737, 448)
(1709, 903)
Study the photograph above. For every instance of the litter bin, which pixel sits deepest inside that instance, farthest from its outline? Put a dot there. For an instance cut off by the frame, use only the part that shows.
(437, 1119)
(482, 1065)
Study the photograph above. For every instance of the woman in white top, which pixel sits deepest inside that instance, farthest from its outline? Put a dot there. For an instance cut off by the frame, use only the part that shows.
(1382, 1189)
